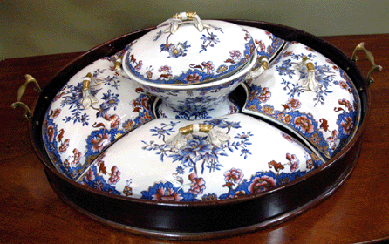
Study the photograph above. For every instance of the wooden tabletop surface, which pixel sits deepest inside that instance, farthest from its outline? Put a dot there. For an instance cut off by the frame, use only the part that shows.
(30, 212)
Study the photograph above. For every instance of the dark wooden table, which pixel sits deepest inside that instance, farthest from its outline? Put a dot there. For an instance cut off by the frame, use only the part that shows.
(30, 212)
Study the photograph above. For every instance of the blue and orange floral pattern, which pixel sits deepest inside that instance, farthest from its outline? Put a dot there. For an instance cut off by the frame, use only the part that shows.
(235, 183)
(195, 72)
(199, 155)
(103, 121)
(198, 163)
(283, 99)
(168, 192)
(94, 179)
(175, 51)
(267, 44)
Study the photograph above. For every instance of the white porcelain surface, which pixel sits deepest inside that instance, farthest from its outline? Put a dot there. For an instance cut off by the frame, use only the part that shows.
(240, 156)
(321, 106)
(192, 69)
(80, 124)
(201, 145)
(189, 56)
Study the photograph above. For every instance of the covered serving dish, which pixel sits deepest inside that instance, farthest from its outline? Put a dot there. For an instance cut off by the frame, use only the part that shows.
(186, 58)
(200, 128)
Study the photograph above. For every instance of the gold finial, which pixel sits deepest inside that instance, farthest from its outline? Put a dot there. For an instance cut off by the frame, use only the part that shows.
(185, 15)
(86, 82)
(265, 64)
(89, 75)
(118, 64)
(191, 15)
(310, 66)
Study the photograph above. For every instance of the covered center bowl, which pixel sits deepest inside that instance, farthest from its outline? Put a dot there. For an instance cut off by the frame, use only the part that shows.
(185, 57)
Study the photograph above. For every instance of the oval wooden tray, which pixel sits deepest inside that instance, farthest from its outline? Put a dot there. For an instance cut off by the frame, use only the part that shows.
(210, 219)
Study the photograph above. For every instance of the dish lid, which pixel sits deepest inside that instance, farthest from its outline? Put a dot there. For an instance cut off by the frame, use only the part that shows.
(186, 50)
(230, 157)
(307, 93)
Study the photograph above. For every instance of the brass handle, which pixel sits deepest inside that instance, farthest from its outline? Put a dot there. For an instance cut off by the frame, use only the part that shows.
(21, 90)
(369, 56)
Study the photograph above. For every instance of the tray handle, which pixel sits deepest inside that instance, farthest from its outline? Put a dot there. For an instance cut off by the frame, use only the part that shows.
(21, 90)
(369, 56)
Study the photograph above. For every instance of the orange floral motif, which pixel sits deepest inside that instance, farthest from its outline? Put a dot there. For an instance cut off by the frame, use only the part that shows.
(344, 86)
(149, 74)
(89, 176)
(115, 175)
(293, 104)
(167, 194)
(332, 139)
(100, 141)
(113, 119)
(265, 95)
(261, 184)
(198, 184)
(287, 119)
(309, 164)
(233, 175)
(294, 162)
(334, 136)
(346, 103)
(54, 114)
(77, 156)
(50, 132)
(277, 166)
(127, 190)
(60, 134)
(128, 125)
(193, 78)
(324, 124)
(253, 108)
(260, 44)
(268, 109)
(101, 164)
(304, 123)
(62, 148)
(314, 138)
(287, 53)
(347, 124)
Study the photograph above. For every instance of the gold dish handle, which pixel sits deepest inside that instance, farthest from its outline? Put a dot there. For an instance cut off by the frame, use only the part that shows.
(216, 136)
(21, 90)
(369, 56)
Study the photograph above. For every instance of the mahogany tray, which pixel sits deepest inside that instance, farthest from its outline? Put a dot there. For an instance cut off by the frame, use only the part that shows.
(210, 219)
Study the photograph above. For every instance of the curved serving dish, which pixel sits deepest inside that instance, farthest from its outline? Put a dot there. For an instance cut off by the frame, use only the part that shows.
(205, 219)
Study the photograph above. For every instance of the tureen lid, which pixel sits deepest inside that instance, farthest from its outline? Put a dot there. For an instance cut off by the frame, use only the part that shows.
(186, 50)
